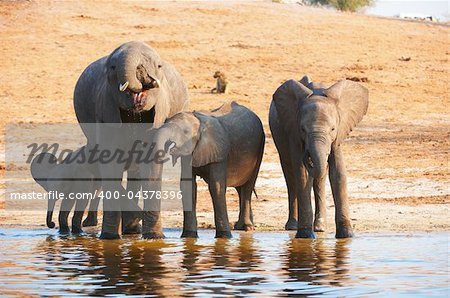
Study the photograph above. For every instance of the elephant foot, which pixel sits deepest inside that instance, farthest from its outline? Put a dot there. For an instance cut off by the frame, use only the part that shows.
(77, 230)
(153, 235)
(189, 234)
(320, 225)
(291, 224)
(90, 222)
(109, 236)
(242, 226)
(135, 229)
(344, 232)
(305, 233)
(64, 230)
(223, 234)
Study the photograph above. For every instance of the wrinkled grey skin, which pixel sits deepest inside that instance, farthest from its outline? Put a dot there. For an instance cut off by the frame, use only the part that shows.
(225, 148)
(131, 85)
(65, 178)
(308, 124)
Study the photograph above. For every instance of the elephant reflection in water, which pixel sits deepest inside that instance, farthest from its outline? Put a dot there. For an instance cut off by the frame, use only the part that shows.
(235, 257)
(119, 267)
(318, 263)
(191, 255)
(248, 255)
(228, 258)
(142, 267)
(223, 254)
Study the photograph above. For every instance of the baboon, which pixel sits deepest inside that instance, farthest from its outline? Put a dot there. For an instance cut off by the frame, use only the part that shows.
(222, 85)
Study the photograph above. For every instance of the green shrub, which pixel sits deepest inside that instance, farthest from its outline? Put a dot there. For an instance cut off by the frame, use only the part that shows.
(344, 5)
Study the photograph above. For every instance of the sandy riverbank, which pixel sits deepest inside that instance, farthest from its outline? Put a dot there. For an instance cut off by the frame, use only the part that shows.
(397, 158)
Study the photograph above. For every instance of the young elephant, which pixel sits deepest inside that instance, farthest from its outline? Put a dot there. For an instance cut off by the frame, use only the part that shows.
(308, 124)
(225, 148)
(68, 178)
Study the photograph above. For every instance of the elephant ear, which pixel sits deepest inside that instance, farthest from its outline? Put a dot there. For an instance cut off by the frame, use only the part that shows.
(162, 104)
(41, 167)
(305, 81)
(352, 102)
(213, 142)
(287, 99)
(172, 96)
(317, 88)
(108, 108)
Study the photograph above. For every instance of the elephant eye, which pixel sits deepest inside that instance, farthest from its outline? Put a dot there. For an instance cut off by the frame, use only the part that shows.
(113, 67)
(333, 129)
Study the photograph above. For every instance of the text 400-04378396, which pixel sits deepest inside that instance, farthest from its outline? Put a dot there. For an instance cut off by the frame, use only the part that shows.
(146, 195)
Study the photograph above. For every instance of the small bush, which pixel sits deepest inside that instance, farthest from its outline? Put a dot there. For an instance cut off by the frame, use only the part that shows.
(344, 5)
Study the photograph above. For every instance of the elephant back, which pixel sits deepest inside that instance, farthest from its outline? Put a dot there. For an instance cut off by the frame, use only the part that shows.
(240, 121)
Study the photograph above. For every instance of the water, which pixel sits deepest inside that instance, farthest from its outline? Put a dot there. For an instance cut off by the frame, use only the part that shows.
(40, 262)
(439, 9)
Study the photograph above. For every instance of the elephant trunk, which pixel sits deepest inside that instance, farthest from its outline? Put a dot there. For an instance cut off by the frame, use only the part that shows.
(173, 142)
(161, 139)
(157, 167)
(316, 158)
(127, 73)
(51, 206)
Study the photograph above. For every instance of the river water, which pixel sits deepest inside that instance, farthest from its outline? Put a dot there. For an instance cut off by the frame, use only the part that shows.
(40, 262)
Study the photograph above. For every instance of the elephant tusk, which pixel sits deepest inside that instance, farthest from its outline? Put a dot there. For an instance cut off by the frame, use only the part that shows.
(174, 160)
(124, 86)
(156, 83)
(169, 145)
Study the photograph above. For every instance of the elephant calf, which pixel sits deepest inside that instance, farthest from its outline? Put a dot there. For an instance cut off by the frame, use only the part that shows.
(225, 148)
(309, 123)
(71, 179)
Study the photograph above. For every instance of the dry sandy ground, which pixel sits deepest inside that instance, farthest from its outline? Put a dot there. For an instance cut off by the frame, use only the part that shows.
(397, 157)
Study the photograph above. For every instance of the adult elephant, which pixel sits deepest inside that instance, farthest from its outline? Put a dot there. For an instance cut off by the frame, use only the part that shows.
(131, 85)
(308, 126)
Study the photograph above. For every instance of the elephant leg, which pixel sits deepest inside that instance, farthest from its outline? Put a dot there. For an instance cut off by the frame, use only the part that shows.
(292, 221)
(110, 140)
(305, 213)
(217, 188)
(151, 219)
(190, 217)
(66, 206)
(289, 177)
(245, 222)
(320, 218)
(151, 215)
(91, 219)
(80, 206)
(111, 210)
(131, 219)
(338, 181)
(63, 224)
(51, 207)
(189, 192)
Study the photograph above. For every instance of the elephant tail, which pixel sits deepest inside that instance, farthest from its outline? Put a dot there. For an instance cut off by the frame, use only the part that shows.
(256, 195)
